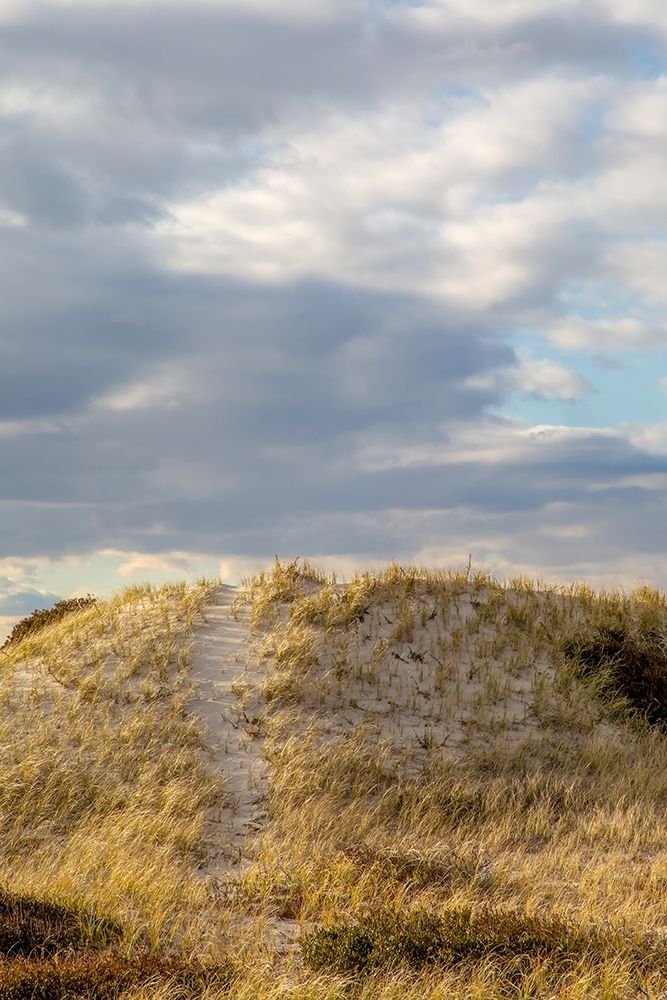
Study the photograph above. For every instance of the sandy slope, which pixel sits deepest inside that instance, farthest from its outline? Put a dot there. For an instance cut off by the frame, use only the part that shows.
(226, 676)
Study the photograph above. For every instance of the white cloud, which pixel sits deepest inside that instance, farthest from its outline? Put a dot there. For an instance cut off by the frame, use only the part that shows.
(641, 266)
(638, 113)
(618, 333)
(164, 563)
(491, 443)
(540, 378)
(647, 13)
(436, 14)
(167, 389)
(288, 9)
(28, 98)
(546, 379)
(17, 428)
(393, 200)
(21, 571)
(11, 220)
(652, 439)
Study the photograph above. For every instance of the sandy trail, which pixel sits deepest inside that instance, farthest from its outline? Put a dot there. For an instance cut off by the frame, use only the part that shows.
(227, 678)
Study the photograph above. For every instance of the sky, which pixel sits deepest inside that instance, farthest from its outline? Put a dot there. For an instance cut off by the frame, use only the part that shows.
(352, 280)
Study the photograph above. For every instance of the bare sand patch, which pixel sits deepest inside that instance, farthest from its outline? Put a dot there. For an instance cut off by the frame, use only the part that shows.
(227, 676)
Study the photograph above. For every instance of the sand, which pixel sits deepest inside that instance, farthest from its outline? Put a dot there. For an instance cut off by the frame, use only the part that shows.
(227, 676)
(418, 692)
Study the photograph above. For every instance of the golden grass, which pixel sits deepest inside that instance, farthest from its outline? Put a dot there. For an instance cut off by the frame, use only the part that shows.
(105, 786)
(555, 809)
(432, 749)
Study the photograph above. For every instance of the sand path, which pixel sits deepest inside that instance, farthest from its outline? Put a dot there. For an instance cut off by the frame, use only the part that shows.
(227, 678)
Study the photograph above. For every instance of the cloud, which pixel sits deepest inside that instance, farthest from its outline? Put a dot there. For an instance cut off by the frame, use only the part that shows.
(166, 388)
(640, 265)
(617, 333)
(266, 264)
(394, 200)
(140, 563)
(540, 378)
(650, 14)
(548, 380)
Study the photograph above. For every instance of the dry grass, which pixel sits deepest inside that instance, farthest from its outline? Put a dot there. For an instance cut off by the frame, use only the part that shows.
(465, 801)
(435, 745)
(105, 786)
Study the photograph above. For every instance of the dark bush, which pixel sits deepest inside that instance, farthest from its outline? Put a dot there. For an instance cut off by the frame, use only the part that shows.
(51, 952)
(105, 977)
(384, 940)
(34, 928)
(629, 665)
(38, 620)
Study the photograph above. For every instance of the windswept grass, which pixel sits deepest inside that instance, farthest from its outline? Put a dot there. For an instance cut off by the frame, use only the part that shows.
(105, 786)
(467, 796)
(442, 753)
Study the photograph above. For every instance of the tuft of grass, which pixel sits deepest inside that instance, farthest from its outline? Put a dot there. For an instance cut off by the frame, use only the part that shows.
(268, 591)
(40, 619)
(386, 939)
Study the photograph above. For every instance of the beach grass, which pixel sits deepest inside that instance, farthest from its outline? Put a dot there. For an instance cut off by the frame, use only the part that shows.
(466, 795)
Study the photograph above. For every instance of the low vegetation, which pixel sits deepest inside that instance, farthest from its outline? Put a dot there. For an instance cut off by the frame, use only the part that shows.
(36, 928)
(467, 796)
(109, 976)
(49, 951)
(460, 935)
(38, 620)
(628, 661)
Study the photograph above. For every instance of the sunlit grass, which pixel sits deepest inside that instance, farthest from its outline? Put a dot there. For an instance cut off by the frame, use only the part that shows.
(558, 808)
(459, 790)
(105, 784)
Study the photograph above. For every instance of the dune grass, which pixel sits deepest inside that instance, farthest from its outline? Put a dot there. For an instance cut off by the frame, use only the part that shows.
(467, 795)
(105, 786)
(441, 744)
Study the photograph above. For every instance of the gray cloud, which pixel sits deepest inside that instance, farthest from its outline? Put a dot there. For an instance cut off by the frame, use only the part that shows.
(153, 408)
(153, 82)
(238, 67)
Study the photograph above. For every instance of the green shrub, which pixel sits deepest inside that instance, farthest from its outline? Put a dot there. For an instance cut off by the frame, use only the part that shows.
(628, 664)
(39, 929)
(38, 620)
(383, 940)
